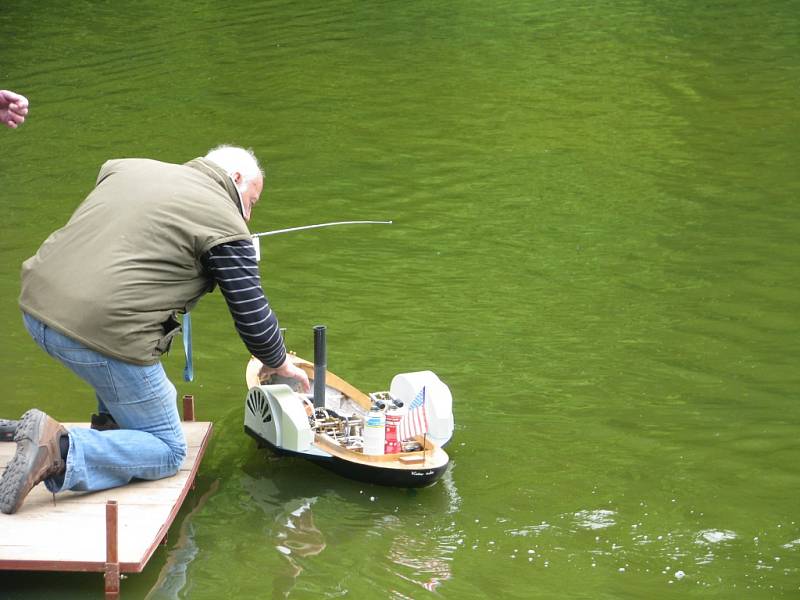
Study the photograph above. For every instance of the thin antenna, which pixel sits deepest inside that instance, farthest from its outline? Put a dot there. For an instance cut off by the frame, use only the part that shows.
(317, 225)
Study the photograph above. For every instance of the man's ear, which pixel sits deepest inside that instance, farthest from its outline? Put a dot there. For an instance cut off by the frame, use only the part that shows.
(237, 178)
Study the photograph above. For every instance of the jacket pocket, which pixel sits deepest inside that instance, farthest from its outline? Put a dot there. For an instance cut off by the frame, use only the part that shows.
(172, 327)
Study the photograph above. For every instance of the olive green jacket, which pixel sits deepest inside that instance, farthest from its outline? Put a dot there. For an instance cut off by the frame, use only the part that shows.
(129, 258)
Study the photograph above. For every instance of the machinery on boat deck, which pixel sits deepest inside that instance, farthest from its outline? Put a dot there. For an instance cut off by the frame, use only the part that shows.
(392, 437)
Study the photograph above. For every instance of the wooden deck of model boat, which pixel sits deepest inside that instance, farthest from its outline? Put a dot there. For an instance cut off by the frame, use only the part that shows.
(71, 534)
(432, 457)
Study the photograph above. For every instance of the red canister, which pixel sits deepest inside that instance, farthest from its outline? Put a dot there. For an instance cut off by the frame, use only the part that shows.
(393, 416)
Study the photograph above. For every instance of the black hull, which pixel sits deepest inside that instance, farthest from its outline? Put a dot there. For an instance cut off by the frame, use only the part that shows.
(412, 478)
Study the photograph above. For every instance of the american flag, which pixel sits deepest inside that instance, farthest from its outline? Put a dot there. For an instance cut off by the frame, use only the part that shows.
(415, 421)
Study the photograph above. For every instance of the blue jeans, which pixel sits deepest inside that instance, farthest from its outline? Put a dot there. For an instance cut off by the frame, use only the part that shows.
(150, 442)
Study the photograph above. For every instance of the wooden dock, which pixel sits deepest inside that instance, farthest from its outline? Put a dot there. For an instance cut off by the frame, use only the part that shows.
(113, 531)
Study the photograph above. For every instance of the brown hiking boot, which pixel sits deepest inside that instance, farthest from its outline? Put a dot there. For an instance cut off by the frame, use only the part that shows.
(38, 457)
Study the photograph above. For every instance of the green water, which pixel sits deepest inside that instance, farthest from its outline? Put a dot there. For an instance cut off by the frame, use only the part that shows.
(596, 247)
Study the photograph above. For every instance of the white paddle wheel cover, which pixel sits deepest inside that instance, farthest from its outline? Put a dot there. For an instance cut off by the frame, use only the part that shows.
(438, 401)
(259, 416)
(277, 414)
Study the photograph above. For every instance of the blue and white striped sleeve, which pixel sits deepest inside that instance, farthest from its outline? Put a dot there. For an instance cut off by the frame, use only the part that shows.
(233, 266)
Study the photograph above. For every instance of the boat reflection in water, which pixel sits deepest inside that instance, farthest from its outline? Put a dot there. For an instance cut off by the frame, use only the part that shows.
(348, 536)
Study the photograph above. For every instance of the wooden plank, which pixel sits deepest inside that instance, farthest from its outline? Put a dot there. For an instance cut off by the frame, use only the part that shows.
(70, 534)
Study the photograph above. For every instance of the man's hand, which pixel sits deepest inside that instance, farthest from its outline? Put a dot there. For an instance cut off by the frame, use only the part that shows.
(13, 109)
(287, 369)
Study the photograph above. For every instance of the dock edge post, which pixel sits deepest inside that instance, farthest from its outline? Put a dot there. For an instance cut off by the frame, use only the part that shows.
(188, 407)
(112, 552)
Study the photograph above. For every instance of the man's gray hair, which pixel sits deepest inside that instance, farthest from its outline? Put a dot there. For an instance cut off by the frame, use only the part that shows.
(234, 159)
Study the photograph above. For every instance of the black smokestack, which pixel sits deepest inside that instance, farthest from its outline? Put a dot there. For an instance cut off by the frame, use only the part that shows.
(320, 365)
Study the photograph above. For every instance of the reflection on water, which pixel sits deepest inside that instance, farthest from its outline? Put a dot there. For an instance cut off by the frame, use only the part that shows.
(296, 537)
(420, 568)
(712, 536)
(426, 561)
(290, 529)
(418, 556)
(606, 541)
(594, 519)
(300, 536)
(173, 577)
(708, 540)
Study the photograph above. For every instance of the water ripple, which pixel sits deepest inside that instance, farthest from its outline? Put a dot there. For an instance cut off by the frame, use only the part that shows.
(595, 519)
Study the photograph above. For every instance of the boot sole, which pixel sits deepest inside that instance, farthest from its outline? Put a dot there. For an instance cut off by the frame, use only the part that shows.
(13, 486)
